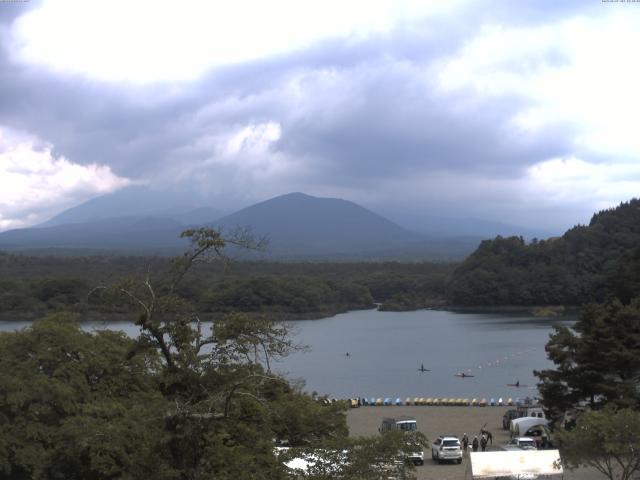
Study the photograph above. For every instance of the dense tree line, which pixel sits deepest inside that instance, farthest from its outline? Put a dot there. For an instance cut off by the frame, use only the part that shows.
(293, 295)
(581, 266)
(39, 285)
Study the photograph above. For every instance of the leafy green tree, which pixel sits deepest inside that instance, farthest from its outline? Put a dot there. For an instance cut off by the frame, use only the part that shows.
(597, 361)
(227, 406)
(625, 282)
(606, 440)
(74, 405)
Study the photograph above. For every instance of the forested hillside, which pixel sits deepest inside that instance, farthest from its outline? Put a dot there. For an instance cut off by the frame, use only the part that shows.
(32, 286)
(584, 265)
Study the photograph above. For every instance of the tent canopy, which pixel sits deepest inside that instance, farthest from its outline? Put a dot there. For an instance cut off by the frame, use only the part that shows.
(525, 423)
(515, 463)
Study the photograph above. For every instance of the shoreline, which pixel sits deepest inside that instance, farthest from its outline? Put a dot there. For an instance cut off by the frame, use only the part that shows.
(558, 311)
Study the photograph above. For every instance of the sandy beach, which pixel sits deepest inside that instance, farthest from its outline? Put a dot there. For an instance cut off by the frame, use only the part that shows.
(437, 420)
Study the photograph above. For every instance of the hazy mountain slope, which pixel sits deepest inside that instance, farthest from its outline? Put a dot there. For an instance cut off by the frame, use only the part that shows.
(459, 227)
(131, 201)
(298, 226)
(198, 216)
(123, 233)
(301, 223)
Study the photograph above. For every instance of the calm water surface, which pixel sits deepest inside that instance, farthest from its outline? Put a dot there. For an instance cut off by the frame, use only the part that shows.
(386, 349)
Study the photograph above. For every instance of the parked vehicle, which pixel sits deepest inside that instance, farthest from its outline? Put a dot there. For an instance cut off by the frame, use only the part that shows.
(530, 411)
(406, 424)
(532, 427)
(521, 443)
(520, 412)
(446, 447)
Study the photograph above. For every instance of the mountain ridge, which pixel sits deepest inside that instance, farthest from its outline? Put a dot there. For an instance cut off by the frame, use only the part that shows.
(298, 225)
(136, 201)
(307, 217)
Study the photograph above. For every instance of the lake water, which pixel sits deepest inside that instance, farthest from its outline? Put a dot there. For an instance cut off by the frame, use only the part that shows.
(386, 350)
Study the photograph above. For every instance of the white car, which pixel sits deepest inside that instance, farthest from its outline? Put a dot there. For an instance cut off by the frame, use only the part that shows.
(446, 447)
(522, 443)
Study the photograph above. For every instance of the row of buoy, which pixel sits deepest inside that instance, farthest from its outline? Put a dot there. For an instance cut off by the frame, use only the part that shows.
(466, 402)
(499, 362)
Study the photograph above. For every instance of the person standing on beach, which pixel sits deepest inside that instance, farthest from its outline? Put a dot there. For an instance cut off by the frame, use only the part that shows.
(488, 434)
(474, 445)
(483, 443)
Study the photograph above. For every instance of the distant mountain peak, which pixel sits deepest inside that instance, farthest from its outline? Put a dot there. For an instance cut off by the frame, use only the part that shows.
(295, 195)
(298, 226)
(297, 222)
(300, 197)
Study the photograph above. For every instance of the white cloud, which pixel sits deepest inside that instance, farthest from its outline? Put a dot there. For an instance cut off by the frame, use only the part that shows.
(580, 72)
(568, 88)
(553, 195)
(565, 181)
(148, 40)
(35, 184)
(578, 77)
(236, 162)
(254, 139)
(245, 146)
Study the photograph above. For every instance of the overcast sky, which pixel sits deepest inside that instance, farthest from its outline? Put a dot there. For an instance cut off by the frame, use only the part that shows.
(522, 112)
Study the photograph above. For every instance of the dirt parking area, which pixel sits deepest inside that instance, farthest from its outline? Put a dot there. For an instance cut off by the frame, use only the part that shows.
(438, 420)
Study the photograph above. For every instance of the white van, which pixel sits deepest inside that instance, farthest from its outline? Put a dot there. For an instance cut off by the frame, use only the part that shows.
(406, 424)
(528, 411)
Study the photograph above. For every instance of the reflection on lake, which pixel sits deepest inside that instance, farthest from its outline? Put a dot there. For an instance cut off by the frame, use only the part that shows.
(386, 350)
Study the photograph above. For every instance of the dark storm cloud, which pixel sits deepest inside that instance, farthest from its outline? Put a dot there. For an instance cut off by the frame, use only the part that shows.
(388, 125)
(86, 121)
(366, 109)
